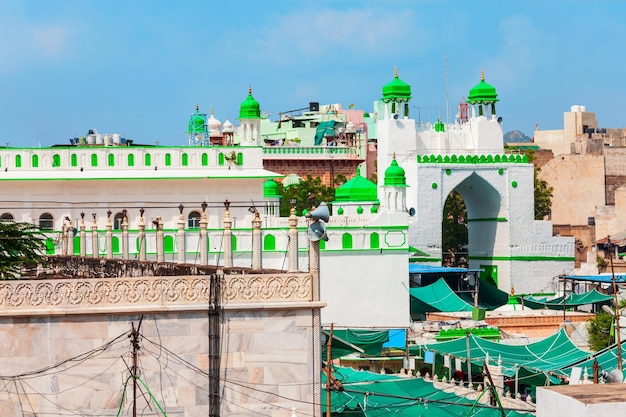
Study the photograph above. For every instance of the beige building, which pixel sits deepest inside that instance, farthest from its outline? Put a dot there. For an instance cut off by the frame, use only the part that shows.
(586, 166)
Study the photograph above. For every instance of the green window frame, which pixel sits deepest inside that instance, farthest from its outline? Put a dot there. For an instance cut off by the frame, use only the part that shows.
(184, 159)
(50, 246)
(240, 158)
(168, 244)
(34, 161)
(374, 241)
(56, 160)
(269, 242)
(131, 160)
(233, 242)
(18, 161)
(147, 160)
(205, 159)
(76, 245)
(220, 159)
(115, 243)
(168, 159)
(74, 160)
(94, 160)
(111, 160)
(346, 241)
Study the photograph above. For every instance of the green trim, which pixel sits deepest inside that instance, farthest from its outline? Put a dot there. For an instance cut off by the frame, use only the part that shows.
(489, 219)
(472, 159)
(425, 259)
(521, 258)
(136, 178)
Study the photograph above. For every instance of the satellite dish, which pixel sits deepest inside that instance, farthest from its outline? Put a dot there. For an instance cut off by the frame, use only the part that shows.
(317, 231)
(320, 213)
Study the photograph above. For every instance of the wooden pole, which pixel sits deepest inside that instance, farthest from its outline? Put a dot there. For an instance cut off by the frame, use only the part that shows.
(329, 359)
(617, 327)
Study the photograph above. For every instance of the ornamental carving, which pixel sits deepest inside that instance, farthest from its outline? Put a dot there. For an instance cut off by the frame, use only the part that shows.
(64, 295)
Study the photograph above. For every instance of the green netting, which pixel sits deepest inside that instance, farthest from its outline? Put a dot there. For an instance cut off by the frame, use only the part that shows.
(535, 362)
(370, 341)
(436, 297)
(571, 301)
(381, 395)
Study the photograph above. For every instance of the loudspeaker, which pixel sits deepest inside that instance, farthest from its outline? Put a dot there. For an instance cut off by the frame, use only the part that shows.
(317, 231)
(320, 213)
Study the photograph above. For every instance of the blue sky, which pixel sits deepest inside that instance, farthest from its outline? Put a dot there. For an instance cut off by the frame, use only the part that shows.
(139, 67)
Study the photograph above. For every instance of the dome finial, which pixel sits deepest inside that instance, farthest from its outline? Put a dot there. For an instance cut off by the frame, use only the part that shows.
(394, 155)
(212, 112)
(395, 71)
(197, 107)
(482, 74)
(250, 89)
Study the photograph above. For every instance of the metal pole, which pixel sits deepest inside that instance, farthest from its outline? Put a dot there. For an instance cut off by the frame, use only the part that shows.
(617, 329)
(328, 372)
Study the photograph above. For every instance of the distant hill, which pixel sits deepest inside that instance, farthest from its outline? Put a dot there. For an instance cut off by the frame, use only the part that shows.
(516, 136)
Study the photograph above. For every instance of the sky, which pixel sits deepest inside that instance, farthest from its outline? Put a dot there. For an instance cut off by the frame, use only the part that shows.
(139, 67)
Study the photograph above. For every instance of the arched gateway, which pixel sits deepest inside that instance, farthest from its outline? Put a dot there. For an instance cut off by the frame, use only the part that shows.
(467, 156)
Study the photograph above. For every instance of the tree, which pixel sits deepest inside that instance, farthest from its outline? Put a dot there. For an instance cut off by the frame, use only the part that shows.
(21, 246)
(543, 197)
(308, 192)
(601, 329)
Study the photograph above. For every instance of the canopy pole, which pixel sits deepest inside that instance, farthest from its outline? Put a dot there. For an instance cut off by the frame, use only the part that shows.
(469, 360)
(617, 330)
(328, 372)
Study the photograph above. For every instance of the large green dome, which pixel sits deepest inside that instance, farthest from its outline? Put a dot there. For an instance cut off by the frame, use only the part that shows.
(482, 92)
(250, 108)
(357, 189)
(395, 175)
(396, 90)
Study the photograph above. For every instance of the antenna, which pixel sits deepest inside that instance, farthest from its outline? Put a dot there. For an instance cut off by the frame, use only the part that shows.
(447, 107)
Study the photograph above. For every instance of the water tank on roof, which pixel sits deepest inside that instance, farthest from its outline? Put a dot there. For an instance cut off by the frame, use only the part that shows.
(314, 106)
(116, 138)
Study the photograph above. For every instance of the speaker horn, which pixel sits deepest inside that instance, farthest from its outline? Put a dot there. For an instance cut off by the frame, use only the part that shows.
(320, 213)
(317, 231)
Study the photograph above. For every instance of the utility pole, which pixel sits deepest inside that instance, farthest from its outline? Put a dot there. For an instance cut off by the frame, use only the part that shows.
(134, 341)
(617, 313)
(329, 351)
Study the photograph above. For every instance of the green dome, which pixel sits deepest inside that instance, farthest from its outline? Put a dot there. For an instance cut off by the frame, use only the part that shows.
(250, 108)
(395, 175)
(357, 189)
(197, 122)
(482, 92)
(270, 189)
(439, 126)
(396, 90)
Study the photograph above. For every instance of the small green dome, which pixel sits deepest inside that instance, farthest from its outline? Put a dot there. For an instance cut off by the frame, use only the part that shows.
(357, 189)
(439, 126)
(482, 92)
(270, 189)
(396, 90)
(395, 175)
(197, 122)
(250, 108)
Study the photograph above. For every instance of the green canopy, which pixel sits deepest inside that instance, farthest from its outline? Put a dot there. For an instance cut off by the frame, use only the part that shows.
(571, 301)
(324, 129)
(437, 296)
(381, 395)
(344, 340)
(554, 355)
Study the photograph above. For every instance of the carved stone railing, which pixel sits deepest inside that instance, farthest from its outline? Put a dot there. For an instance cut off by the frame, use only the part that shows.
(45, 297)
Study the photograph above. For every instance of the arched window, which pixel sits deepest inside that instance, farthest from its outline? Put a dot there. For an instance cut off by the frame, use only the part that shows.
(49, 246)
(74, 160)
(184, 159)
(168, 159)
(76, 245)
(374, 241)
(193, 220)
(346, 241)
(115, 243)
(220, 159)
(6, 217)
(34, 161)
(56, 160)
(168, 244)
(131, 160)
(147, 160)
(18, 161)
(94, 160)
(233, 241)
(111, 159)
(269, 242)
(117, 221)
(240, 159)
(46, 221)
(205, 159)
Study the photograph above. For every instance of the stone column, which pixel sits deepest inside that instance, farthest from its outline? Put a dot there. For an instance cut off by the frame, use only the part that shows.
(228, 236)
(109, 236)
(64, 239)
(256, 241)
(94, 238)
(83, 235)
(203, 240)
(180, 236)
(125, 235)
(159, 239)
(142, 236)
(293, 240)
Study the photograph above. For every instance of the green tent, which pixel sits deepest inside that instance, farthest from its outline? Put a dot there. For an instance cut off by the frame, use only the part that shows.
(324, 129)
(367, 342)
(375, 395)
(571, 301)
(437, 296)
